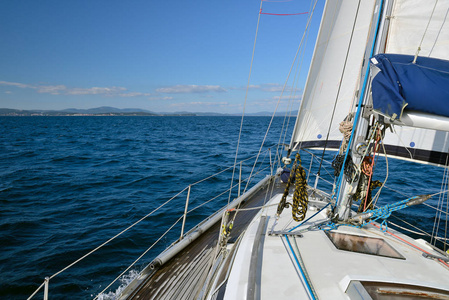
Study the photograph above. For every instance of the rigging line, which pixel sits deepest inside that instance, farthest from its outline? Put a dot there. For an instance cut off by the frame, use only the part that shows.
(250, 177)
(436, 224)
(447, 201)
(204, 203)
(271, 14)
(244, 104)
(425, 204)
(114, 237)
(305, 123)
(420, 232)
(362, 94)
(445, 229)
(142, 255)
(376, 197)
(410, 244)
(341, 82)
(301, 46)
(283, 89)
(218, 173)
(375, 149)
(402, 142)
(255, 208)
(277, 1)
(311, 217)
(425, 32)
(439, 193)
(297, 75)
(288, 114)
(438, 35)
(437, 209)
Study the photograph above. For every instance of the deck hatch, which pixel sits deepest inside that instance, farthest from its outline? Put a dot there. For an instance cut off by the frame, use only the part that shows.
(396, 291)
(363, 244)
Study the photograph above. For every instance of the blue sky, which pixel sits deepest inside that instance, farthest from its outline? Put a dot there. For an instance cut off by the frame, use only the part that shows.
(164, 56)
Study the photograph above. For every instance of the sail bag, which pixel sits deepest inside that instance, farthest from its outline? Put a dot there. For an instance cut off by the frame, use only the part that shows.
(398, 83)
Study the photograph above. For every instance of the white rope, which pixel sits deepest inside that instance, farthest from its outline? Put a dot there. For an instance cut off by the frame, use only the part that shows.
(110, 240)
(301, 46)
(204, 203)
(233, 166)
(143, 254)
(387, 168)
(35, 292)
(244, 104)
(402, 142)
(143, 218)
(444, 183)
(254, 208)
(283, 89)
(425, 32)
(439, 32)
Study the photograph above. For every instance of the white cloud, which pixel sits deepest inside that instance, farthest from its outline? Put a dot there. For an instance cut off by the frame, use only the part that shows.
(16, 84)
(271, 87)
(189, 89)
(64, 90)
(267, 87)
(134, 94)
(50, 89)
(160, 98)
(197, 103)
(296, 97)
(115, 91)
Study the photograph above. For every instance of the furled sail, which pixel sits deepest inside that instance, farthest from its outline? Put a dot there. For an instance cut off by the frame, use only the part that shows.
(399, 82)
(334, 73)
(427, 20)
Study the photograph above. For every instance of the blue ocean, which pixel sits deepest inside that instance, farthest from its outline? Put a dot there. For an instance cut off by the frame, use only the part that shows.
(68, 184)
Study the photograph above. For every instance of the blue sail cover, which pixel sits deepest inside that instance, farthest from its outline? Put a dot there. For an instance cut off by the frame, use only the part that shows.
(399, 83)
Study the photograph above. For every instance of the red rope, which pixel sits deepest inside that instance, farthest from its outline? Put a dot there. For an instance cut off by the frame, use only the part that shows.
(369, 169)
(414, 246)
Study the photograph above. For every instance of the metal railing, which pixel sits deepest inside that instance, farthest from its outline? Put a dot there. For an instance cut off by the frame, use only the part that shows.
(183, 217)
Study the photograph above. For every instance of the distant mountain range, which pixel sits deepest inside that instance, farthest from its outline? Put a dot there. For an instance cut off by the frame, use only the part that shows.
(112, 111)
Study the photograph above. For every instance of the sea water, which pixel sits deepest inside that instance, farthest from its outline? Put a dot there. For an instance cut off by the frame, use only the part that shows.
(68, 184)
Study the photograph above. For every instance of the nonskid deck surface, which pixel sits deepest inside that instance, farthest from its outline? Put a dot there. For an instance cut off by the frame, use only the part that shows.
(334, 264)
(182, 277)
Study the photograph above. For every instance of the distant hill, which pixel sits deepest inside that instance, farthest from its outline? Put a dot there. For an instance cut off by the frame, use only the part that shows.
(99, 111)
(106, 110)
(112, 111)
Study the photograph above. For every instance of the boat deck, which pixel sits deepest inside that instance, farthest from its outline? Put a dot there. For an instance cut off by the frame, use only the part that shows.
(183, 276)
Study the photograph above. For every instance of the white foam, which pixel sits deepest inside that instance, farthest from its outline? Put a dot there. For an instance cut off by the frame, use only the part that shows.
(124, 281)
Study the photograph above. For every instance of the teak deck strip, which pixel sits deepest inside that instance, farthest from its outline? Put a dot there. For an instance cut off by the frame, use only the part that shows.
(183, 276)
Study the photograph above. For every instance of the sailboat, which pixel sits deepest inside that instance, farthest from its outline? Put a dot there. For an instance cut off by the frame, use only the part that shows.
(378, 75)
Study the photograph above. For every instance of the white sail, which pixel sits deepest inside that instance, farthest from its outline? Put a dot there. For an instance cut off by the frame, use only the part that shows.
(410, 23)
(334, 73)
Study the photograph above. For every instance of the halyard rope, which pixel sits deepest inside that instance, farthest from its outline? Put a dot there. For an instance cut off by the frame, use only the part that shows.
(300, 196)
(244, 105)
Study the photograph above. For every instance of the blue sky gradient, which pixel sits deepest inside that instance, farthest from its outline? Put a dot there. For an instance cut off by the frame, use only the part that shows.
(164, 56)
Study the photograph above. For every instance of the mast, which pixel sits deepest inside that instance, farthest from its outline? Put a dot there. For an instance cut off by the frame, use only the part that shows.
(348, 181)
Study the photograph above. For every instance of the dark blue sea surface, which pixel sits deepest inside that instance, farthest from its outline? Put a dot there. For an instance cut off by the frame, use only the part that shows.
(68, 184)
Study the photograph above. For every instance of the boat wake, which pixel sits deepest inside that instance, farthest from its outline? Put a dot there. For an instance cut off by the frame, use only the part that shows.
(124, 281)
